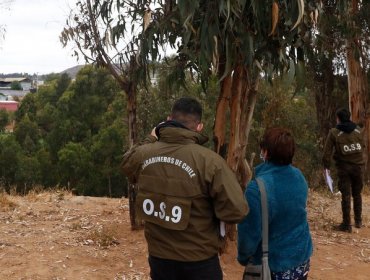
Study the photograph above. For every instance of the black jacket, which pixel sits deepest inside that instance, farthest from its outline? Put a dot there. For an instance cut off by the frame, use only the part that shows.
(347, 143)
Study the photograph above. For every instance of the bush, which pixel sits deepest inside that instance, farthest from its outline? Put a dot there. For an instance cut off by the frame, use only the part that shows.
(16, 86)
(279, 106)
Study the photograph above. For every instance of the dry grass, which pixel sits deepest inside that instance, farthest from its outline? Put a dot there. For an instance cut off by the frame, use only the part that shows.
(131, 276)
(6, 203)
(320, 208)
(102, 237)
(34, 194)
(323, 212)
(38, 193)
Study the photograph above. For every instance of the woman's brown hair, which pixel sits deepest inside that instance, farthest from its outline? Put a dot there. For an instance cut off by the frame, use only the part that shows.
(279, 144)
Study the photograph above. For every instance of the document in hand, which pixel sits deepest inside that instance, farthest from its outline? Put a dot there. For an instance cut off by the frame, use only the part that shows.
(328, 180)
(222, 229)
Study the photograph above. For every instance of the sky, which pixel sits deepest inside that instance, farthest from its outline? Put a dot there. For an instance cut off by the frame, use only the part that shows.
(31, 44)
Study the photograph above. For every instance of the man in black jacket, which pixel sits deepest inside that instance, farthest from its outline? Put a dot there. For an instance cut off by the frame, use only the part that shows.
(346, 140)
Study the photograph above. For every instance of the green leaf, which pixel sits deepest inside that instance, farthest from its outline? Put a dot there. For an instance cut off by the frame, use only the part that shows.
(228, 59)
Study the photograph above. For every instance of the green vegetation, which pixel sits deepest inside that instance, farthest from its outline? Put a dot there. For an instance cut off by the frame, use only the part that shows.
(72, 135)
(4, 120)
(279, 106)
(68, 135)
(16, 86)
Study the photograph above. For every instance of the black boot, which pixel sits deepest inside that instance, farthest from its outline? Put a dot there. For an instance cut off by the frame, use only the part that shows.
(346, 210)
(358, 224)
(343, 227)
(357, 209)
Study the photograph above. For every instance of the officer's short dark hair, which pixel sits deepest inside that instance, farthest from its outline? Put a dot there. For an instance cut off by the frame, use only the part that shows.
(187, 111)
(343, 115)
(279, 144)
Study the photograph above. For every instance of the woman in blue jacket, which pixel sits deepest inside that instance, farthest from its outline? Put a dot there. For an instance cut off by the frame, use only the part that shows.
(290, 244)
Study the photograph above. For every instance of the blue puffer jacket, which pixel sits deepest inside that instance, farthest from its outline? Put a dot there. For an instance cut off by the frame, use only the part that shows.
(290, 243)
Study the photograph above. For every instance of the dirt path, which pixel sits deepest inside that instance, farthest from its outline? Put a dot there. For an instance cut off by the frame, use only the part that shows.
(338, 255)
(60, 236)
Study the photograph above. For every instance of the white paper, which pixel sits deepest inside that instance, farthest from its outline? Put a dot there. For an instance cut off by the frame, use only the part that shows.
(329, 180)
(222, 229)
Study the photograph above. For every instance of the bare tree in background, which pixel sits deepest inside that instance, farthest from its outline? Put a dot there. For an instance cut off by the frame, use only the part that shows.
(99, 31)
(4, 5)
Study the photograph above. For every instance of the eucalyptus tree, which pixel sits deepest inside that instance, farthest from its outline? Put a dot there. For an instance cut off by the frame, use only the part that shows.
(90, 28)
(99, 31)
(343, 42)
(326, 65)
(238, 41)
(356, 28)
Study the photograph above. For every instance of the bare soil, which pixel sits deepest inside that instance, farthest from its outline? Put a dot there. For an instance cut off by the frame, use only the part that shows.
(61, 236)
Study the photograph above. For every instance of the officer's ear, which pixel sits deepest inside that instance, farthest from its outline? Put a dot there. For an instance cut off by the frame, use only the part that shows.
(169, 118)
(199, 127)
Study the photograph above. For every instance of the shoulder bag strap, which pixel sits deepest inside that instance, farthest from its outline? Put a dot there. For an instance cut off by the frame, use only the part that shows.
(265, 224)
(265, 229)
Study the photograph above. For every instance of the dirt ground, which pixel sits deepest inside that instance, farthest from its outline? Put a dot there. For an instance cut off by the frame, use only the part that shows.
(60, 236)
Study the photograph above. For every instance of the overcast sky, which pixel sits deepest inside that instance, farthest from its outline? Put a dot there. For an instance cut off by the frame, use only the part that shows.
(31, 43)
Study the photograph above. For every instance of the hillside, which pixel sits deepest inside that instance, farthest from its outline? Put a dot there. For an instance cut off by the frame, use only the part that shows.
(72, 71)
(60, 236)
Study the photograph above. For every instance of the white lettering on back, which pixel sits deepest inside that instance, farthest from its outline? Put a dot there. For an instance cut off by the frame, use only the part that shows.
(169, 160)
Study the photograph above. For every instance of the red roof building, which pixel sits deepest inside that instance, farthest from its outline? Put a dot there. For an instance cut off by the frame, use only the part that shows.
(9, 105)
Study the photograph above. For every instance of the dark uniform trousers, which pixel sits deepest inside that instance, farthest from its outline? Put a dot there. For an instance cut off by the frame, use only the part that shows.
(162, 269)
(350, 178)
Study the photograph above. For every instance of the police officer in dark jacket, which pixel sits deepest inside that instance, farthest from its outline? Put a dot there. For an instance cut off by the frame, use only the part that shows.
(184, 191)
(346, 140)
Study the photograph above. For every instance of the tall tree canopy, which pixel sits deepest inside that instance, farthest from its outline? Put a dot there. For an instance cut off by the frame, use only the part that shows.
(234, 40)
(342, 48)
(68, 134)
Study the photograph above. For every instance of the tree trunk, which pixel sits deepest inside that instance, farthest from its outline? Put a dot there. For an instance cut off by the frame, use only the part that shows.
(367, 139)
(357, 87)
(358, 99)
(326, 103)
(109, 186)
(131, 111)
(132, 192)
(248, 103)
(239, 91)
(242, 106)
(219, 130)
(132, 131)
(128, 84)
(357, 84)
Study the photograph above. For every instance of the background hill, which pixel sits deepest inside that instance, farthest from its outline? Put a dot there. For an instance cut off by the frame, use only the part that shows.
(72, 72)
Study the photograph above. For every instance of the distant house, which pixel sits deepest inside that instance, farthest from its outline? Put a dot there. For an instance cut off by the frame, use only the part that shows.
(9, 105)
(26, 83)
